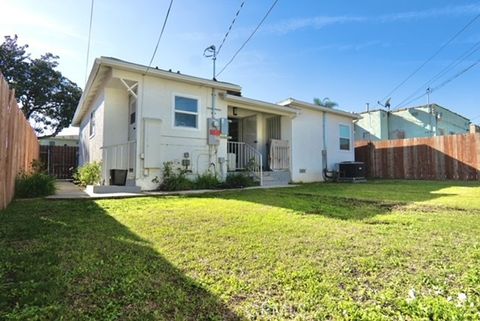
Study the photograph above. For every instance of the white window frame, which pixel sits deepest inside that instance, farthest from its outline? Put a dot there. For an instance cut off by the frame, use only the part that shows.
(349, 138)
(92, 124)
(197, 114)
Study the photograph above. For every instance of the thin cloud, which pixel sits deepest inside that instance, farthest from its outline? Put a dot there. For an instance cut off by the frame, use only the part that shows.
(450, 11)
(319, 22)
(314, 22)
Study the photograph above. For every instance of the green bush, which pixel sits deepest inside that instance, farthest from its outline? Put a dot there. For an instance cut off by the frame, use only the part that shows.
(35, 184)
(239, 180)
(174, 180)
(88, 174)
(207, 181)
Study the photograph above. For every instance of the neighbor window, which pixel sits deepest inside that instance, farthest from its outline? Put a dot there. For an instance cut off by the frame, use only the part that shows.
(92, 123)
(344, 137)
(186, 112)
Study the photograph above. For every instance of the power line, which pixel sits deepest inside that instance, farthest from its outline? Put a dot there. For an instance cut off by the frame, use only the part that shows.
(230, 28)
(444, 71)
(446, 82)
(432, 57)
(248, 39)
(160, 36)
(89, 40)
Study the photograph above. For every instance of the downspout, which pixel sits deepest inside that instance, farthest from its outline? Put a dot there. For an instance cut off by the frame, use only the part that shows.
(324, 149)
(327, 175)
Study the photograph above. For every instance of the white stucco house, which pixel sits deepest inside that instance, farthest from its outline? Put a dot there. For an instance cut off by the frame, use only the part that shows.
(136, 118)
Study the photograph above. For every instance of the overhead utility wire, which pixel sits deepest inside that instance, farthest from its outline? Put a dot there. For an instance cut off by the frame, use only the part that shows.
(89, 40)
(230, 28)
(160, 36)
(248, 39)
(446, 82)
(432, 57)
(453, 64)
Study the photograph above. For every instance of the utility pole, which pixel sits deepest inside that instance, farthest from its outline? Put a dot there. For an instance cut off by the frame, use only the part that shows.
(430, 110)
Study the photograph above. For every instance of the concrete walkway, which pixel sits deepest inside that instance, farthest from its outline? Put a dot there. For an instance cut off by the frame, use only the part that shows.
(68, 190)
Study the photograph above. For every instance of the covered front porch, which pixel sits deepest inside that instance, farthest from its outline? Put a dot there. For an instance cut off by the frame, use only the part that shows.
(258, 138)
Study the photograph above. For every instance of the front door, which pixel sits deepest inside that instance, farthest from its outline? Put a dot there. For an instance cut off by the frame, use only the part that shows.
(249, 130)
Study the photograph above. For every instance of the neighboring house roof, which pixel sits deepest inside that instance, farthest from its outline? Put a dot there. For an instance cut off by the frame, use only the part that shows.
(416, 107)
(62, 137)
(436, 106)
(103, 65)
(303, 104)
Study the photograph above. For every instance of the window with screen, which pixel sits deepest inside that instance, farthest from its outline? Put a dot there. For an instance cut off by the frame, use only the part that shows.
(345, 137)
(186, 112)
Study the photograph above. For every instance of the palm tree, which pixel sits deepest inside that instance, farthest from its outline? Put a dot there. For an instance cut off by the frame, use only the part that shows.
(325, 102)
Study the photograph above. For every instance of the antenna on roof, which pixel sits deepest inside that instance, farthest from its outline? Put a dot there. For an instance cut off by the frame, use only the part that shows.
(387, 104)
(211, 52)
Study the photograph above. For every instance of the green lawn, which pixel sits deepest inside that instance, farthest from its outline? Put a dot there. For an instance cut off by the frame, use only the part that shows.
(384, 250)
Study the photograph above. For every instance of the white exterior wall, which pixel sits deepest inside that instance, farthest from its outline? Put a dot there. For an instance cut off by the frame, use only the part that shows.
(305, 132)
(90, 145)
(306, 146)
(334, 154)
(116, 116)
(159, 141)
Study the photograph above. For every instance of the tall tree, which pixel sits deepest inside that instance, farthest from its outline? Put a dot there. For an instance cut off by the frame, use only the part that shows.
(325, 102)
(47, 98)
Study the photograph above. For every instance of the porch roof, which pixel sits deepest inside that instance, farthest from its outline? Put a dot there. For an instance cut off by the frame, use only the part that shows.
(303, 104)
(258, 105)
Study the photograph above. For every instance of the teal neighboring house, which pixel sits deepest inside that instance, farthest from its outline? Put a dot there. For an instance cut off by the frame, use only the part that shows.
(422, 121)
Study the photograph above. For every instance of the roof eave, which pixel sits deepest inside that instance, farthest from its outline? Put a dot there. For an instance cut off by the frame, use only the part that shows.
(115, 63)
(274, 108)
(93, 74)
(303, 104)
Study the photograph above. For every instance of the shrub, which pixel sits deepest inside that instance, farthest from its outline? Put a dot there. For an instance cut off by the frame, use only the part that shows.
(88, 174)
(174, 180)
(207, 181)
(34, 184)
(239, 180)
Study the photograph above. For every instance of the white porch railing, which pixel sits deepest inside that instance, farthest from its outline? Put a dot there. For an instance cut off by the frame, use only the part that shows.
(119, 156)
(244, 157)
(279, 156)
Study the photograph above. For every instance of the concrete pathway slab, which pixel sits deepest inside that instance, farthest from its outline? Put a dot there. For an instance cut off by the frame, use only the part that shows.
(68, 190)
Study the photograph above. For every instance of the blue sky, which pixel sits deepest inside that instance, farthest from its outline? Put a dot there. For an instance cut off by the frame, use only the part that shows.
(351, 51)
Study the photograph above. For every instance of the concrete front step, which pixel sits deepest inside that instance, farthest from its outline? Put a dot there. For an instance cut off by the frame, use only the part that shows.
(275, 178)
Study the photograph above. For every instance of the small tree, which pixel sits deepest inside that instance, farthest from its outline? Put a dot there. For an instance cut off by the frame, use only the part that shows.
(47, 98)
(325, 102)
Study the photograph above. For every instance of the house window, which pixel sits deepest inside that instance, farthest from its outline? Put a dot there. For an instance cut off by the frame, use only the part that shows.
(344, 137)
(92, 123)
(186, 112)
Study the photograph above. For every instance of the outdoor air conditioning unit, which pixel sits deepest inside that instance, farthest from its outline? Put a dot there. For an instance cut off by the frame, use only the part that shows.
(351, 172)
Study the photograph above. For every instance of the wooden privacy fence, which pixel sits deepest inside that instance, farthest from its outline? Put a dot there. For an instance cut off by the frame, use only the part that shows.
(19, 144)
(455, 157)
(60, 161)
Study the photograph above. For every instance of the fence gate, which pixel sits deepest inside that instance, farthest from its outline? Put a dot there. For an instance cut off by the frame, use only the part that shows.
(60, 161)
